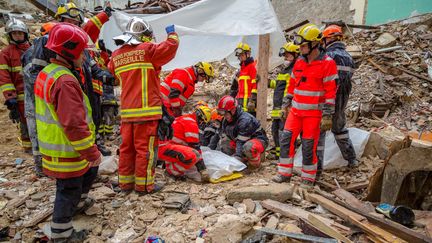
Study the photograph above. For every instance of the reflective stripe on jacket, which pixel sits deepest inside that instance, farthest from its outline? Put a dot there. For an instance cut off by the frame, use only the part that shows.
(137, 67)
(312, 85)
(66, 142)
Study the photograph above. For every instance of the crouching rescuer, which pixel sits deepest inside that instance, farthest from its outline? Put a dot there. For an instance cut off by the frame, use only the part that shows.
(65, 129)
(312, 90)
(242, 135)
(183, 151)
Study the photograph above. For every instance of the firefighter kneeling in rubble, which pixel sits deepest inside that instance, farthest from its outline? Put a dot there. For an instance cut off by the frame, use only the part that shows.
(242, 134)
(183, 150)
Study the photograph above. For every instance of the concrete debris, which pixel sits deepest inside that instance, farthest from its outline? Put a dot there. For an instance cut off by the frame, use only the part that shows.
(278, 192)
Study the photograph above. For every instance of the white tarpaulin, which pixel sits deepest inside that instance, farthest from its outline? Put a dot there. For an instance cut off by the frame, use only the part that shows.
(209, 30)
(332, 154)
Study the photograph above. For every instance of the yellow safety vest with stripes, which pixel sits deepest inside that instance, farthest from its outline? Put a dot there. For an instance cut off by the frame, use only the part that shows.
(282, 82)
(53, 141)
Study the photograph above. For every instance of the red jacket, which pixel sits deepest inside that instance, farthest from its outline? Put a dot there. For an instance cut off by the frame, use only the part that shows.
(11, 80)
(67, 98)
(94, 25)
(186, 130)
(136, 66)
(182, 80)
(312, 85)
(247, 80)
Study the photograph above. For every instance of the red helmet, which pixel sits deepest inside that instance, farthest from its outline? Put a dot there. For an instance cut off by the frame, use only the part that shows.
(227, 104)
(332, 30)
(67, 40)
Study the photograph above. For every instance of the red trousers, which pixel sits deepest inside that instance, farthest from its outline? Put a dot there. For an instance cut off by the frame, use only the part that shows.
(178, 158)
(138, 155)
(309, 127)
(251, 150)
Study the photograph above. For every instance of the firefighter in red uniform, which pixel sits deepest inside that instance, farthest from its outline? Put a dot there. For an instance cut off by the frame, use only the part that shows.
(179, 85)
(313, 91)
(244, 87)
(136, 64)
(65, 129)
(69, 13)
(241, 134)
(11, 79)
(183, 150)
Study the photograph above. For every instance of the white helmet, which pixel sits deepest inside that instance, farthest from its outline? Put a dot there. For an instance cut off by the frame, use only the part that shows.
(16, 25)
(139, 28)
(136, 29)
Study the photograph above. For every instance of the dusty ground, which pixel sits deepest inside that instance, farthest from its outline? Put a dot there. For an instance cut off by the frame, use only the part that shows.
(113, 217)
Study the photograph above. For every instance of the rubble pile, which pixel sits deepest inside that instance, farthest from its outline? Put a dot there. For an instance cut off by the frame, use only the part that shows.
(391, 84)
(156, 6)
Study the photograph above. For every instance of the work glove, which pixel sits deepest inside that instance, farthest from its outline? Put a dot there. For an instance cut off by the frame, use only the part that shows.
(326, 123)
(272, 84)
(170, 29)
(165, 130)
(286, 102)
(205, 176)
(108, 11)
(12, 105)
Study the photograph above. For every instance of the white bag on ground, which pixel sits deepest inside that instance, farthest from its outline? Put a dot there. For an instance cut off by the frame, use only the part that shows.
(332, 155)
(219, 164)
(108, 165)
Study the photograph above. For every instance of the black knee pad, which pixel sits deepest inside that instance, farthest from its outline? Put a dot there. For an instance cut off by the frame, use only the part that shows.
(307, 151)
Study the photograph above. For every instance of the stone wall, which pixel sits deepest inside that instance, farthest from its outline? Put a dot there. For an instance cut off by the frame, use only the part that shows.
(291, 12)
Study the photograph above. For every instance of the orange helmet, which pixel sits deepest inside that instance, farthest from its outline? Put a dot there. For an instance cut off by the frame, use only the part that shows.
(215, 115)
(332, 30)
(46, 28)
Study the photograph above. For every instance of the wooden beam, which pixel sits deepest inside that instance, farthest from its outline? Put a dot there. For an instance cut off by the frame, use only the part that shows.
(353, 201)
(296, 25)
(386, 224)
(297, 213)
(38, 217)
(356, 219)
(414, 74)
(319, 224)
(263, 66)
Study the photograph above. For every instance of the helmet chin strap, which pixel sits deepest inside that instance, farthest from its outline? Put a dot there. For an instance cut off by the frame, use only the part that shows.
(311, 48)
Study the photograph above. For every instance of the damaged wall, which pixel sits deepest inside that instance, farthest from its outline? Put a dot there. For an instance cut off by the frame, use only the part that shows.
(291, 12)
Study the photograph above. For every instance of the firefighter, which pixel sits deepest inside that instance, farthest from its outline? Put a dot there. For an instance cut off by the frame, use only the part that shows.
(312, 90)
(109, 105)
(210, 137)
(242, 134)
(335, 48)
(11, 79)
(183, 150)
(244, 87)
(289, 52)
(69, 13)
(26, 61)
(65, 129)
(179, 85)
(136, 65)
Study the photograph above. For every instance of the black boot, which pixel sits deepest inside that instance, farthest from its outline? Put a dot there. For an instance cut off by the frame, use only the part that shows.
(75, 237)
(101, 145)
